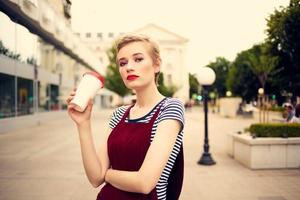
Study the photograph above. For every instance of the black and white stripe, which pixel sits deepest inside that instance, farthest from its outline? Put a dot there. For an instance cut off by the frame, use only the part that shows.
(171, 108)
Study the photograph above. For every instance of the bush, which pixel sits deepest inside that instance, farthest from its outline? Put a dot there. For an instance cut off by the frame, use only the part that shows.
(277, 109)
(275, 130)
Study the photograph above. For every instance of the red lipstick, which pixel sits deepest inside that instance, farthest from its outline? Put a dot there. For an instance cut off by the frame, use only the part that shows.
(132, 77)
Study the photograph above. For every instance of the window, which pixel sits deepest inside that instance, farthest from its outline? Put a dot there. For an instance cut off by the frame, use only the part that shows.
(25, 96)
(111, 35)
(99, 35)
(7, 96)
(88, 35)
(67, 8)
(52, 92)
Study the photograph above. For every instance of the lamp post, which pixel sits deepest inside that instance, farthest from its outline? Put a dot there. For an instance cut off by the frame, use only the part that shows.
(263, 106)
(206, 77)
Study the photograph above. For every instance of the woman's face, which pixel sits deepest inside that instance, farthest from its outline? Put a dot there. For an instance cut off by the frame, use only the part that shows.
(136, 65)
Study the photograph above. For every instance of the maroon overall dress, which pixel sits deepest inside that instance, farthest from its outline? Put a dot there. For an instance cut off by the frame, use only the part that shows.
(127, 147)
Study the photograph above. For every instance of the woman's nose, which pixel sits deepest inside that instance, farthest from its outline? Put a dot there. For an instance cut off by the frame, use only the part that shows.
(130, 67)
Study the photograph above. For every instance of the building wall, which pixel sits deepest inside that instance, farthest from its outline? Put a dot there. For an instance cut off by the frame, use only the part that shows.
(58, 7)
(174, 69)
(35, 75)
(99, 43)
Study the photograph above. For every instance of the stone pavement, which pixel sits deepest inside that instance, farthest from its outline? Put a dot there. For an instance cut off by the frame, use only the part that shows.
(44, 162)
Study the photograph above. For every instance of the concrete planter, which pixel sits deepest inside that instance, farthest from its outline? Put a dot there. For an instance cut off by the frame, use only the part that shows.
(264, 153)
(229, 106)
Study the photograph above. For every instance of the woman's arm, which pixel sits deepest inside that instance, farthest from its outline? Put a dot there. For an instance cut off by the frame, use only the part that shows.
(144, 180)
(95, 165)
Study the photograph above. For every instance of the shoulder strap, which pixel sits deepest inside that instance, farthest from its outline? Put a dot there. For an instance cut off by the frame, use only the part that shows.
(157, 112)
(126, 113)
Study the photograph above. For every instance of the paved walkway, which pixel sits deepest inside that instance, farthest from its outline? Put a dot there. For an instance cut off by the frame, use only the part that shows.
(43, 163)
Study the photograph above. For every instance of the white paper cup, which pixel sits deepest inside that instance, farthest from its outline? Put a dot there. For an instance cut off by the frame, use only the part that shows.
(90, 83)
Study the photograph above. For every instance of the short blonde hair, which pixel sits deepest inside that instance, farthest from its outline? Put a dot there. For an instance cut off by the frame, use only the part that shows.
(154, 48)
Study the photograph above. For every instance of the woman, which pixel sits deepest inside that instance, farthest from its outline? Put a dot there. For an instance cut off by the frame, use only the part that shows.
(140, 155)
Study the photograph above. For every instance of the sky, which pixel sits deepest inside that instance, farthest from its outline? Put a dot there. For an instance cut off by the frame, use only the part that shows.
(214, 28)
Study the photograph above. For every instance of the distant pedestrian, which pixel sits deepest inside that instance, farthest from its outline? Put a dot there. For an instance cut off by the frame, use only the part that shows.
(296, 117)
(288, 111)
(141, 154)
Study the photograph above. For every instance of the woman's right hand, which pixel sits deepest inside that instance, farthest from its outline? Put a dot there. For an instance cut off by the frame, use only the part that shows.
(79, 118)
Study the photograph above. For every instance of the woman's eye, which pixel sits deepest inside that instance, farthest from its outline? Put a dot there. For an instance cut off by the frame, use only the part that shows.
(138, 59)
(121, 64)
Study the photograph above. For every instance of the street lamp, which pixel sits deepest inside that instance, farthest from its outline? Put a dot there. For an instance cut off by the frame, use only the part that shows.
(263, 101)
(228, 94)
(261, 91)
(206, 76)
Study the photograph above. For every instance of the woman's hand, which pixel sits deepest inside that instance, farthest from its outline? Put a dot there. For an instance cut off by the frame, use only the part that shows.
(79, 118)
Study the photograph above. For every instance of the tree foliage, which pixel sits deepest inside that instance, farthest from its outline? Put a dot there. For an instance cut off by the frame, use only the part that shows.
(113, 79)
(252, 69)
(274, 64)
(241, 79)
(194, 85)
(221, 68)
(284, 39)
(167, 91)
(261, 63)
(5, 51)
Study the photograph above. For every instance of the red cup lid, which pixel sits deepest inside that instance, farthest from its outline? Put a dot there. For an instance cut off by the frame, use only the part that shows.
(97, 75)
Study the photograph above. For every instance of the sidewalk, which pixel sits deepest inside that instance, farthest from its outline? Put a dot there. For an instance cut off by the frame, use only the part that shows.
(44, 162)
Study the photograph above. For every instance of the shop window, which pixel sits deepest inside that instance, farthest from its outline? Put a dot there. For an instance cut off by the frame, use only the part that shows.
(52, 102)
(7, 96)
(25, 96)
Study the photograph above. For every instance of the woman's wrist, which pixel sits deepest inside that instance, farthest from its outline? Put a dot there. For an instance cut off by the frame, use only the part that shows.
(84, 127)
(106, 177)
(84, 124)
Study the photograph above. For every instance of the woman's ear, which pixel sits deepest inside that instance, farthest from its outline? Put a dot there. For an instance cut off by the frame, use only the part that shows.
(157, 65)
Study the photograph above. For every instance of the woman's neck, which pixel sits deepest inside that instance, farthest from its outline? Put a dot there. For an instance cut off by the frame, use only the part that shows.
(147, 97)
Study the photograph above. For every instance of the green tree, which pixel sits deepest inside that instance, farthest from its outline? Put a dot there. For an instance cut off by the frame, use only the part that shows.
(284, 39)
(261, 63)
(221, 68)
(113, 79)
(194, 84)
(251, 70)
(241, 80)
(163, 89)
